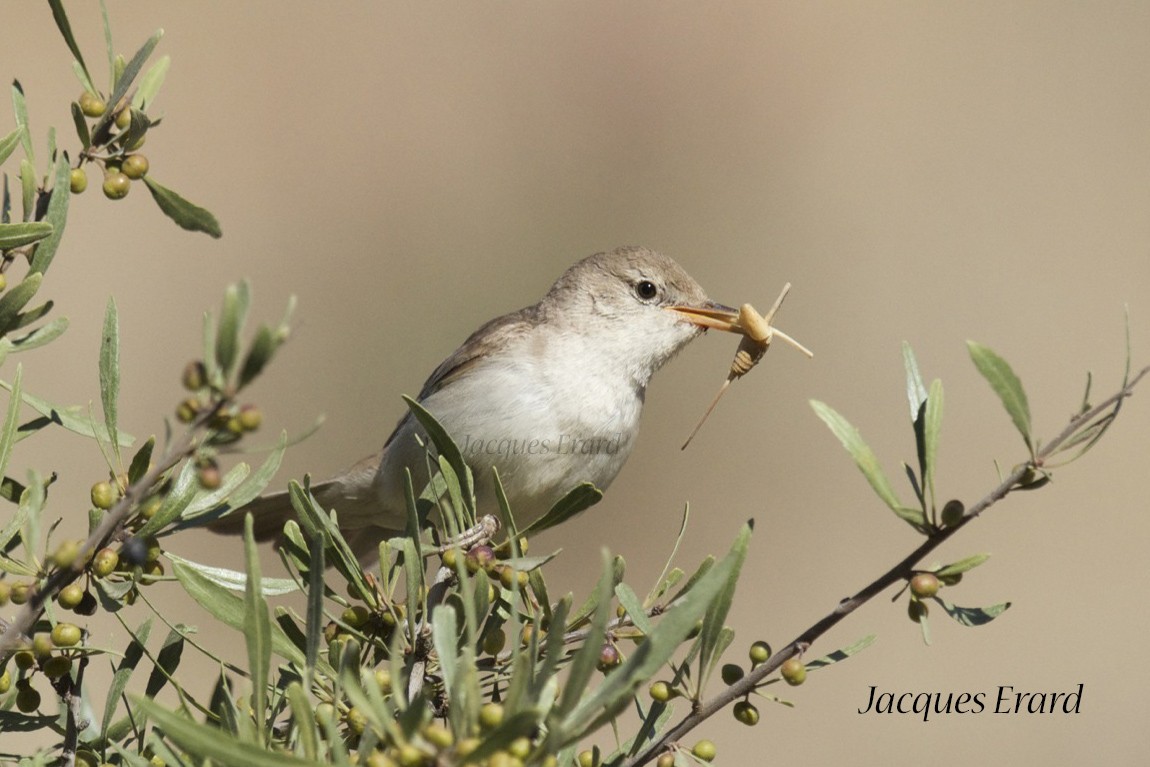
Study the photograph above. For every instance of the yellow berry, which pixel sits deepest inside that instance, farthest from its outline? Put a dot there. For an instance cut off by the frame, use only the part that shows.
(356, 721)
(135, 166)
(760, 652)
(5, 681)
(103, 495)
(793, 672)
(490, 715)
(78, 180)
(661, 692)
(105, 562)
(704, 750)
(92, 105)
(66, 635)
(116, 185)
(124, 118)
(70, 596)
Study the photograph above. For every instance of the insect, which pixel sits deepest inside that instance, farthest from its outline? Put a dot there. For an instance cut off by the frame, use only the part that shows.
(757, 334)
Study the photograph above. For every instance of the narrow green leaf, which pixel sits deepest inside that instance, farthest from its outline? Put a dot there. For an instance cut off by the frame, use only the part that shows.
(578, 500)
(167, 662)
(41, 336)
(57, 216)
(8, 144)
(915, 391)
(447, 448)
(972, 616)
(123, 672)
(110, 373)
(131, 69)
(445, 637)
(587, 657)
(257, 629)
(186, 214)
(305, 727)
(866, 460)
(228, 607)
(150, 83)
(315, 616)
(210, 742)
(931, 428)
(81, 126)
(8, 431)
(16, 299)
(85, 83)
(962, 565)
(65, 28)
(710, 647)
(1006, 385)
(842, 654)
(21, 110)
(237, 581)
(237, 299)
(28, 188)
(23, 233)
(629, 600)
(70, 418)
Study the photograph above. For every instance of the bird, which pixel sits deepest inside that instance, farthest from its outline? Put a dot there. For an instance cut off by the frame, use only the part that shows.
(550, 394)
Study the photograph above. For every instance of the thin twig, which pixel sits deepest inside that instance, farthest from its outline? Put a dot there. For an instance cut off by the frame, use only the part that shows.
(901, 571)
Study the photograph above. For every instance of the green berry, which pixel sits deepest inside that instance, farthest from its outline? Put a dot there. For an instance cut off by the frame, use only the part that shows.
(5, 681)
(704, 750)
(952, 513)
(71, 596)
(116, 185)
(587, 758)
(135, 166)
(383, 679)
(325, 713)
(66, 553)
(490, 715)
(661, 692)
(793, 672)
(666, 759)
(250, 418)
(924, 585)
(438, 735)
(66, 635)
(356, 721)
(746, 713)
(124, 118)
(57, 666)
(3, 281)
(103, 495)
(411, 756)
(356, 616)
(24, 659)
(27, 699)
(494, 641)
(731, 673)
(42, 646)
(92, 105)
(187, 410)
(78, 180)
(760, 652)
(105, 562)
(20, 593)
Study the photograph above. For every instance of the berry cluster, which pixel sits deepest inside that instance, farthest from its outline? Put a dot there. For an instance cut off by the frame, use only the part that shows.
(114, 146)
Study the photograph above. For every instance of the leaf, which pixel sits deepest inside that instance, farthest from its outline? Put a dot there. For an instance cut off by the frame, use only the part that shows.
(65, 28)
(962, 565)
(186, 214)
(1006, 385)
(629, 600)
(972, 616)
(237, 299)
(123, 672)
(587, 657)
(257, 629)
(578, 500)
(23, 233)
(840, 655)
(110, 373)
(228, 607)
(69, 418)
(57, 216)
(237, 581)
(41, 336)
(315, 616)
(931, 428)
(8, 431)
(710, 646)
(867, 462)
(167, 661)
(81, 125)
(915, 391)
(8, 144)
(21, 110)
(16, 299)
(210, 742)
(150, 83)
(447, 448)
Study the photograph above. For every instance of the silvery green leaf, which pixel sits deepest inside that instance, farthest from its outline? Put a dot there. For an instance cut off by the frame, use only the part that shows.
(110, 372)
(1006, 385)
(186, 214)
(237, 581)
(8, 144)
(23, 233)
(65, 28)
(57, 216)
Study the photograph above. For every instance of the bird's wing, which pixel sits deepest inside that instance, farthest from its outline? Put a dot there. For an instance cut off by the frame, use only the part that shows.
(473, 350)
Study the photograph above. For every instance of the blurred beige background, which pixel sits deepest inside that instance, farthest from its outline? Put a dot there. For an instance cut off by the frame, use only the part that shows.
(929, 172)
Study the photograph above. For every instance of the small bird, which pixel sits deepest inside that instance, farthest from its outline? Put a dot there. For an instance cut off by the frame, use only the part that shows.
(550, 394)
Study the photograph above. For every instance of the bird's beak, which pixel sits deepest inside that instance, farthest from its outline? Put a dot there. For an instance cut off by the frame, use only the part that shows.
(710, 315)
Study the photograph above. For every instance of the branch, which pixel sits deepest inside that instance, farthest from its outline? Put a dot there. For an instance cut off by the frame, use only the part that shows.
(899, 572)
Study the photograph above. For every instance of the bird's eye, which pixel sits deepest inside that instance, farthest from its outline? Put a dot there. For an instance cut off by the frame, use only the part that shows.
(646, 290)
